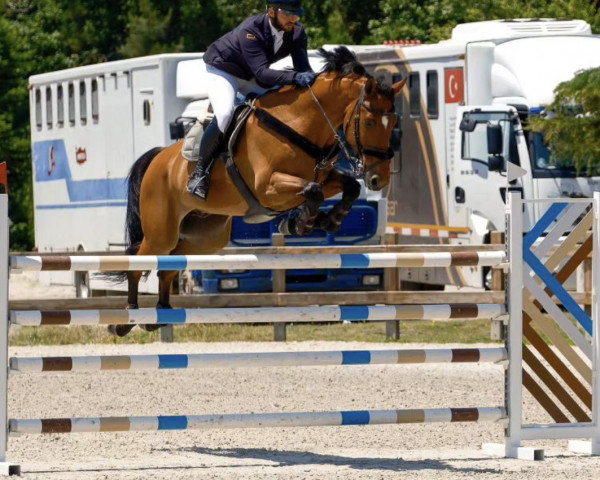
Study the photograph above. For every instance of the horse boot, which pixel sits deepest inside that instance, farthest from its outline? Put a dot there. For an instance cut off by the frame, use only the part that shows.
(200, 178)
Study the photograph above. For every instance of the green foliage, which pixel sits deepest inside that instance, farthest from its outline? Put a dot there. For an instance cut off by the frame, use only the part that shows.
(148, 31)
(574, 130)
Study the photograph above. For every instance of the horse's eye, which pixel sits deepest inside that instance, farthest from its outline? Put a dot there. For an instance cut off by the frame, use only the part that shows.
(369, 123)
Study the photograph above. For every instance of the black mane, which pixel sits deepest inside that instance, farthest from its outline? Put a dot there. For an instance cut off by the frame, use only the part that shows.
(343, 61)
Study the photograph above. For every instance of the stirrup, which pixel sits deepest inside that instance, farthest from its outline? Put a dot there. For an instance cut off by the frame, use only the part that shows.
(198, 190)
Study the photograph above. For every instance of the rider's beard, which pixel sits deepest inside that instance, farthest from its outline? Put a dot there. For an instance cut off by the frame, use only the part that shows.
(286, 27)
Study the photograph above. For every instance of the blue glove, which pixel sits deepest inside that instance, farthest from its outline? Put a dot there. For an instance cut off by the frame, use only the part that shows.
(304, 79)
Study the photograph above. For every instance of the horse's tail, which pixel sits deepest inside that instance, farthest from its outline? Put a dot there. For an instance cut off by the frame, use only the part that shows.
(133, 222)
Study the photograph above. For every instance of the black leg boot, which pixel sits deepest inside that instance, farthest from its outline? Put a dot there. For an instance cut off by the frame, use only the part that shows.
(200, 178)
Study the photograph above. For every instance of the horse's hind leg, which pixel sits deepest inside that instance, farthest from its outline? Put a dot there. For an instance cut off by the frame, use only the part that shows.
(133, 281)
(202, 235)
(165, 282)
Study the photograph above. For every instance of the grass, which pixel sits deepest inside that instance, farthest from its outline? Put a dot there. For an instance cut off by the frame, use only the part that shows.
(477, 331)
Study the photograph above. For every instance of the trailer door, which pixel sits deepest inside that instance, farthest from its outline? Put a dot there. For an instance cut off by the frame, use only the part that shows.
(147, 127)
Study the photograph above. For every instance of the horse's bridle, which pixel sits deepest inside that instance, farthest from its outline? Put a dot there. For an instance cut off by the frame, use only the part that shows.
(356, 159)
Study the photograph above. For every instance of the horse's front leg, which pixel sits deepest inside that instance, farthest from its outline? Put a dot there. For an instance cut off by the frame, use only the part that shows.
(287, 188)
(332, 220)
(304, 222)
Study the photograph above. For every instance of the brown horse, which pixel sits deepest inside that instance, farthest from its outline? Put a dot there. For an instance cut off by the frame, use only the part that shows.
(163, 218)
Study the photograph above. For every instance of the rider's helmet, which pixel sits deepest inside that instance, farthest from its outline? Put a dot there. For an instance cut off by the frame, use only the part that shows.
(291, 7)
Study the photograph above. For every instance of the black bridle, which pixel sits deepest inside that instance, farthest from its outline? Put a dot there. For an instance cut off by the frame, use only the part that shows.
(381, 154)
(356, 158)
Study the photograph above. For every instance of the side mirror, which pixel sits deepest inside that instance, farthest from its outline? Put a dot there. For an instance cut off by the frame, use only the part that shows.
(494, 139)
(496, 163)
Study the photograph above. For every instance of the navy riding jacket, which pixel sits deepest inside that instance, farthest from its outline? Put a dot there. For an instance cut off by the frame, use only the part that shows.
(247, 51)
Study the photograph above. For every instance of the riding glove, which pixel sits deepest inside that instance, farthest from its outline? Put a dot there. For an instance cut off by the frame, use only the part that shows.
(304, 79)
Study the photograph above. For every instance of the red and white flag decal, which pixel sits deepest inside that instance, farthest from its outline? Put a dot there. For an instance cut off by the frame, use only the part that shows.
(455, 86)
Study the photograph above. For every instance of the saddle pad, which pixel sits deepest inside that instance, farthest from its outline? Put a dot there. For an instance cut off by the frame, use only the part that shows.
(191, 143)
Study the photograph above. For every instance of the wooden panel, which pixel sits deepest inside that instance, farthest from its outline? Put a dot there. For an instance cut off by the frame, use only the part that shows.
(546, 325)
(556, 363)
(545, 401)
(565, 248)
(554, 386)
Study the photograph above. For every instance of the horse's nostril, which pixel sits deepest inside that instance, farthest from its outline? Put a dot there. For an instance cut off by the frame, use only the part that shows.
(374, 182)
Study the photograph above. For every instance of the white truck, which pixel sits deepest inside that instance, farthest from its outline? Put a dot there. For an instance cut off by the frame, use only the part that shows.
(89, 124)
(499, 72)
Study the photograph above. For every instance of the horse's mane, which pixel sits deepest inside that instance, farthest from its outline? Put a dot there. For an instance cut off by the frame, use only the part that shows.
(344, 62)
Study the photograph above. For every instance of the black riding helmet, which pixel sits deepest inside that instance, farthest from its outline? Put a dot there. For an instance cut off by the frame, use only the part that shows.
(291, 7)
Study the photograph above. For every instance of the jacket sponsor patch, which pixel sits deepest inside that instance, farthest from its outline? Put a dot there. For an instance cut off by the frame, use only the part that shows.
(250, 36)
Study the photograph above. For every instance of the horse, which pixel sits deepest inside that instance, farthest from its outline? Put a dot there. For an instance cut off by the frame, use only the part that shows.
(345, 109)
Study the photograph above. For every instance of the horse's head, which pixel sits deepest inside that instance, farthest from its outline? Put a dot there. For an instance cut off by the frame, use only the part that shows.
(368, 126)
(369, 118)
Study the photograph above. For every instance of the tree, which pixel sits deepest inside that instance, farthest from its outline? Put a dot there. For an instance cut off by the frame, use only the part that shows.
(573, 130)
(148, 31)
(432, 20)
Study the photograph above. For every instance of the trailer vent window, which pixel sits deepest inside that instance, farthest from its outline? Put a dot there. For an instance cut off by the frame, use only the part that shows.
(38, 108)
(414, 88)
(49, 108)
(82, 103)
(95, 109)
(432, 94)
(60, 106)
(71, 104)
(146, 108)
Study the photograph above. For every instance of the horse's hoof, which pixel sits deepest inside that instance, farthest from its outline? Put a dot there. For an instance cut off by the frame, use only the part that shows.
(120, 330)
(152, 327)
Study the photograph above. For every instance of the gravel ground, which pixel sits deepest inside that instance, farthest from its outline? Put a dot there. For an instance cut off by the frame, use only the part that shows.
(435, 451)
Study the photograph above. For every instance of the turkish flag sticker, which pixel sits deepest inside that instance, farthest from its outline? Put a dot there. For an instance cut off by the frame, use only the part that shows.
(455, 87)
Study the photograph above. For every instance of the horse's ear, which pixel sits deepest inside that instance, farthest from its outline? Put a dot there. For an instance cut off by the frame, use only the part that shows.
(397, 87)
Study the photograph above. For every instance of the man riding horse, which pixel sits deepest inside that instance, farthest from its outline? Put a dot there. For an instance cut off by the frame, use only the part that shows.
(239, 62)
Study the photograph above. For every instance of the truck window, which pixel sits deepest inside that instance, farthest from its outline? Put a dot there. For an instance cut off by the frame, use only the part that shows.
(49, 108)
(146, 113)
(414, 88)
(82, 103)
(398, 100)
(60, 107)
(38, 108)
(432, 94)
(474, 144)
(95, 109)
(71, 89)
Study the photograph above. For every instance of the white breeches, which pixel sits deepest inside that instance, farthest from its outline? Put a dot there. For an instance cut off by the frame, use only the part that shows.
(222, 91)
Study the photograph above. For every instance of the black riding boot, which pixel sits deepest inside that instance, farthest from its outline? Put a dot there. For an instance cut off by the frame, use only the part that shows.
(200, 178)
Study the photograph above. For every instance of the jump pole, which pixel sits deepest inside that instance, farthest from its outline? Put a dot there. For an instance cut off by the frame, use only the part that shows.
(180, 316)
(255, 262)
(5, 467)
(258, 359)
(256, 420)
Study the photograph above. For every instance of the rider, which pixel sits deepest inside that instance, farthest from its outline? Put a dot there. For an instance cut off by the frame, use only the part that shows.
(239, 62)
